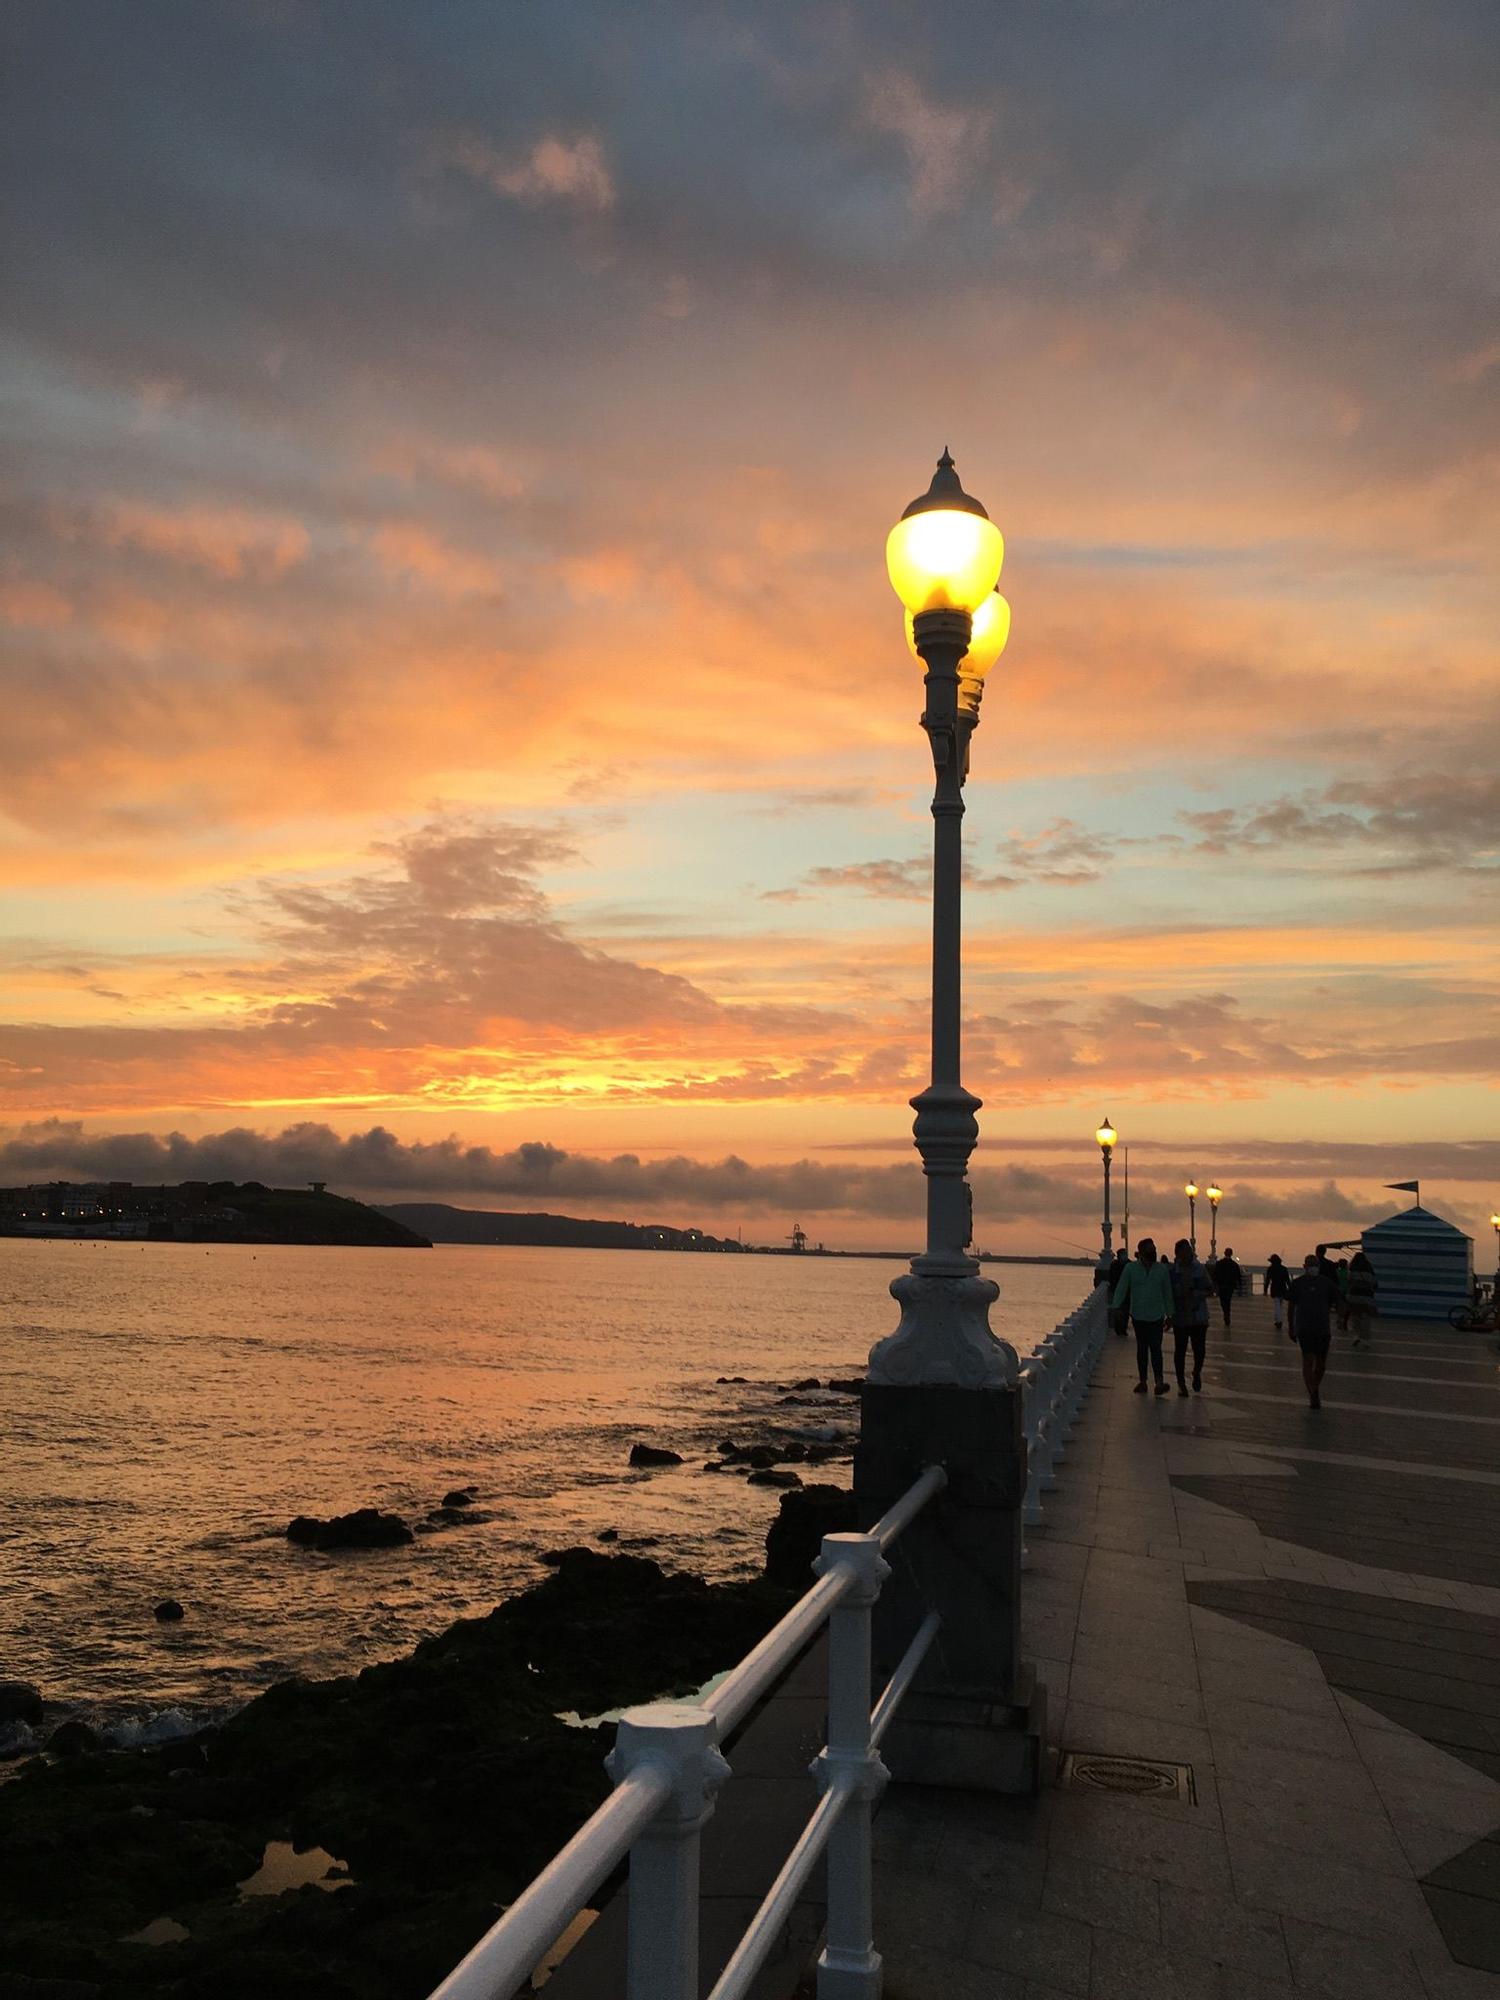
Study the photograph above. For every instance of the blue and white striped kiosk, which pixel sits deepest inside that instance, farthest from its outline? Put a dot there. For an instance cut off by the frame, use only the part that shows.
(1425, 1266)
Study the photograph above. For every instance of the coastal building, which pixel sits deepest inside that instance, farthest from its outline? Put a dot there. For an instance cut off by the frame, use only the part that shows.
(1425, 1266)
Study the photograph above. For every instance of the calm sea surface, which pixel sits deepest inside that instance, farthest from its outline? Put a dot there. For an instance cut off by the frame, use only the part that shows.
(169, 1408)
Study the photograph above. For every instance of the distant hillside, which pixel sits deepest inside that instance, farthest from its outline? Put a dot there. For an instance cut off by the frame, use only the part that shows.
(445, 1224)
(200, 1212)
(292, 1215)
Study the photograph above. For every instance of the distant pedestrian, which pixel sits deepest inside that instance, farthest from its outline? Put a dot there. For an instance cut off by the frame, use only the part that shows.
(1145, 1292)
(1360, 1298)
(1310, 1305)
(1278, 1284)
(1227, 1280)
(1117, 1318)
(1190, 1295)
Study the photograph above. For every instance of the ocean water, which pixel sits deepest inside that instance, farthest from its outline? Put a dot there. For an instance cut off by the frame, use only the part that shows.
(170, 1407)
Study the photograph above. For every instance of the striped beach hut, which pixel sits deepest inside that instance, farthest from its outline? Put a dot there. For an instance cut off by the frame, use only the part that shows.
(1425, 1266)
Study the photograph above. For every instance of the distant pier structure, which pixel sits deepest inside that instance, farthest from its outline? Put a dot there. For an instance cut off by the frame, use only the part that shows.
(798, 1239)
(1425, 1266)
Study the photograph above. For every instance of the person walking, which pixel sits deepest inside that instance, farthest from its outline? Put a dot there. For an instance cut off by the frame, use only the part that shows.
(1359, 1300)
(1341, 1303)
(1309, 1305)
(1145, 1293)
(1191, 1291)
(1117, 1319)
(1278, 1284)
(1227, 1280)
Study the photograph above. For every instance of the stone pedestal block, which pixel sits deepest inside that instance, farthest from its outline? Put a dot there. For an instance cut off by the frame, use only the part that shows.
(975, 1717)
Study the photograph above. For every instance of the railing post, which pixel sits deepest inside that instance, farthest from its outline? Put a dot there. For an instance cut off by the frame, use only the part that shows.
(849, 1967)
(662, 1953)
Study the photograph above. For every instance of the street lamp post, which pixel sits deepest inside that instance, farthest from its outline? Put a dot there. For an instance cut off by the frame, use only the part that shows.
(943, 1388)
(944, 558)
(1191, 1191)
(1105, 1138)
(1215, 1196)
(1495, 1222)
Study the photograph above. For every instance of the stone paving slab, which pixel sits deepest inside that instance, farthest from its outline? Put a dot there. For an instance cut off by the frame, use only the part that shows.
(1304, 1607)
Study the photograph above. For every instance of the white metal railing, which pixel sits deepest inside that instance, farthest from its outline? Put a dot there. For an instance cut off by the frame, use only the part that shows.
(1054, 1383)
(667, 1768)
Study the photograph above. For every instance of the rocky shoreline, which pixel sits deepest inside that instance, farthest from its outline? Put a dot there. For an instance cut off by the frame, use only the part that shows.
(441, 1782)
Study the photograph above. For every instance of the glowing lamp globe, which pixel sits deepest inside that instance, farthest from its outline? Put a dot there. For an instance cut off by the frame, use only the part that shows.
(945, 552)
(1191, 1189)
(1106, 1136)
(1216, 1195)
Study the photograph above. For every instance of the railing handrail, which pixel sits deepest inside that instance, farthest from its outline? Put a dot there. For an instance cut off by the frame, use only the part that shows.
(509, 1950)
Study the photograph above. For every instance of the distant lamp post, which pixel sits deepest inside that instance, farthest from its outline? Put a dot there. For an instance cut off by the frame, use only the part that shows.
(1105, 1138)
(1215, 1196)
(1191, 1191)
(944, 557)
(1495, 1224)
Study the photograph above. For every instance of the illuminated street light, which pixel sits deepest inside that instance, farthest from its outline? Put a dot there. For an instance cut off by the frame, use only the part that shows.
(1105, 1139)
(1215, 1196)
(1191, 1191)
(944, 557)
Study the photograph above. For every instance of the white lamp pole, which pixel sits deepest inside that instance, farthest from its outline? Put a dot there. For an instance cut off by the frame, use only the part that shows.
(944, 558)
(1105, 1138)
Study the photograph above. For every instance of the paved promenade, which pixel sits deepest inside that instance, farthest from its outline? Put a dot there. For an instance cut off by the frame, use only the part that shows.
(1302, 1607)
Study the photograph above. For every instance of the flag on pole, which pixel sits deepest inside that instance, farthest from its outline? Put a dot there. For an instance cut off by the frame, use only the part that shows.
(1405, 1187)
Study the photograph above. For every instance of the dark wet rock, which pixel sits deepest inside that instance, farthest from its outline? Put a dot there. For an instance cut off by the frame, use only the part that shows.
(732, 1378)
(444, 1780)
(653, 1454)
(761, 1456)
(640, 1541)
(461, 1496)
(74, 1738)
(711, 1465)
(796, 1535)
(365, 1528)
(819, 1454)
(768, 1478)
(169, 1611)
(794, 1453)
(808, 1382)
(847, 1385)
(20, 1702)
(607, 1535)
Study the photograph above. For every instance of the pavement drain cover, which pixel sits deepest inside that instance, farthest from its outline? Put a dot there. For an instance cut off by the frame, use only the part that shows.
(1139, 1777)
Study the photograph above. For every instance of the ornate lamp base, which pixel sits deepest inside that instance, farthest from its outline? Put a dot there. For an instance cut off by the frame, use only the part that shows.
(945, 1335)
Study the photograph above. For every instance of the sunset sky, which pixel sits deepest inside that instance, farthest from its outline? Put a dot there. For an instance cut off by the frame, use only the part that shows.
(457, 736)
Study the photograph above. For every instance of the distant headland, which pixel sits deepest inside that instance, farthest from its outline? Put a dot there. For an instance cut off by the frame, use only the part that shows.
(200, 1212)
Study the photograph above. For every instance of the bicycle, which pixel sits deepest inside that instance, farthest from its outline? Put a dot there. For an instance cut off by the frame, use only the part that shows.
(1479, 1318)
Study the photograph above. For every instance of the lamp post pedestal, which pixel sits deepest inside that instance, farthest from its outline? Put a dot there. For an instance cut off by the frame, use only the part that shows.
(976, 1716)
(944, 1388)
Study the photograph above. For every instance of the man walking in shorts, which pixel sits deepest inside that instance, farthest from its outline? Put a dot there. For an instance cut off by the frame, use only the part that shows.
(1308, 1309)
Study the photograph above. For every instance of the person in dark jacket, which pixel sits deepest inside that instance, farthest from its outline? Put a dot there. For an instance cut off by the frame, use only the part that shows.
(1310, 1308)
(1191, 1291)
(1227, 1281)
(1145, 1292)
(1278, 1284)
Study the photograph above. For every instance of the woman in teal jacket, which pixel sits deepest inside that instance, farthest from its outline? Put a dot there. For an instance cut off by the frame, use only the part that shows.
(1145, 1292)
